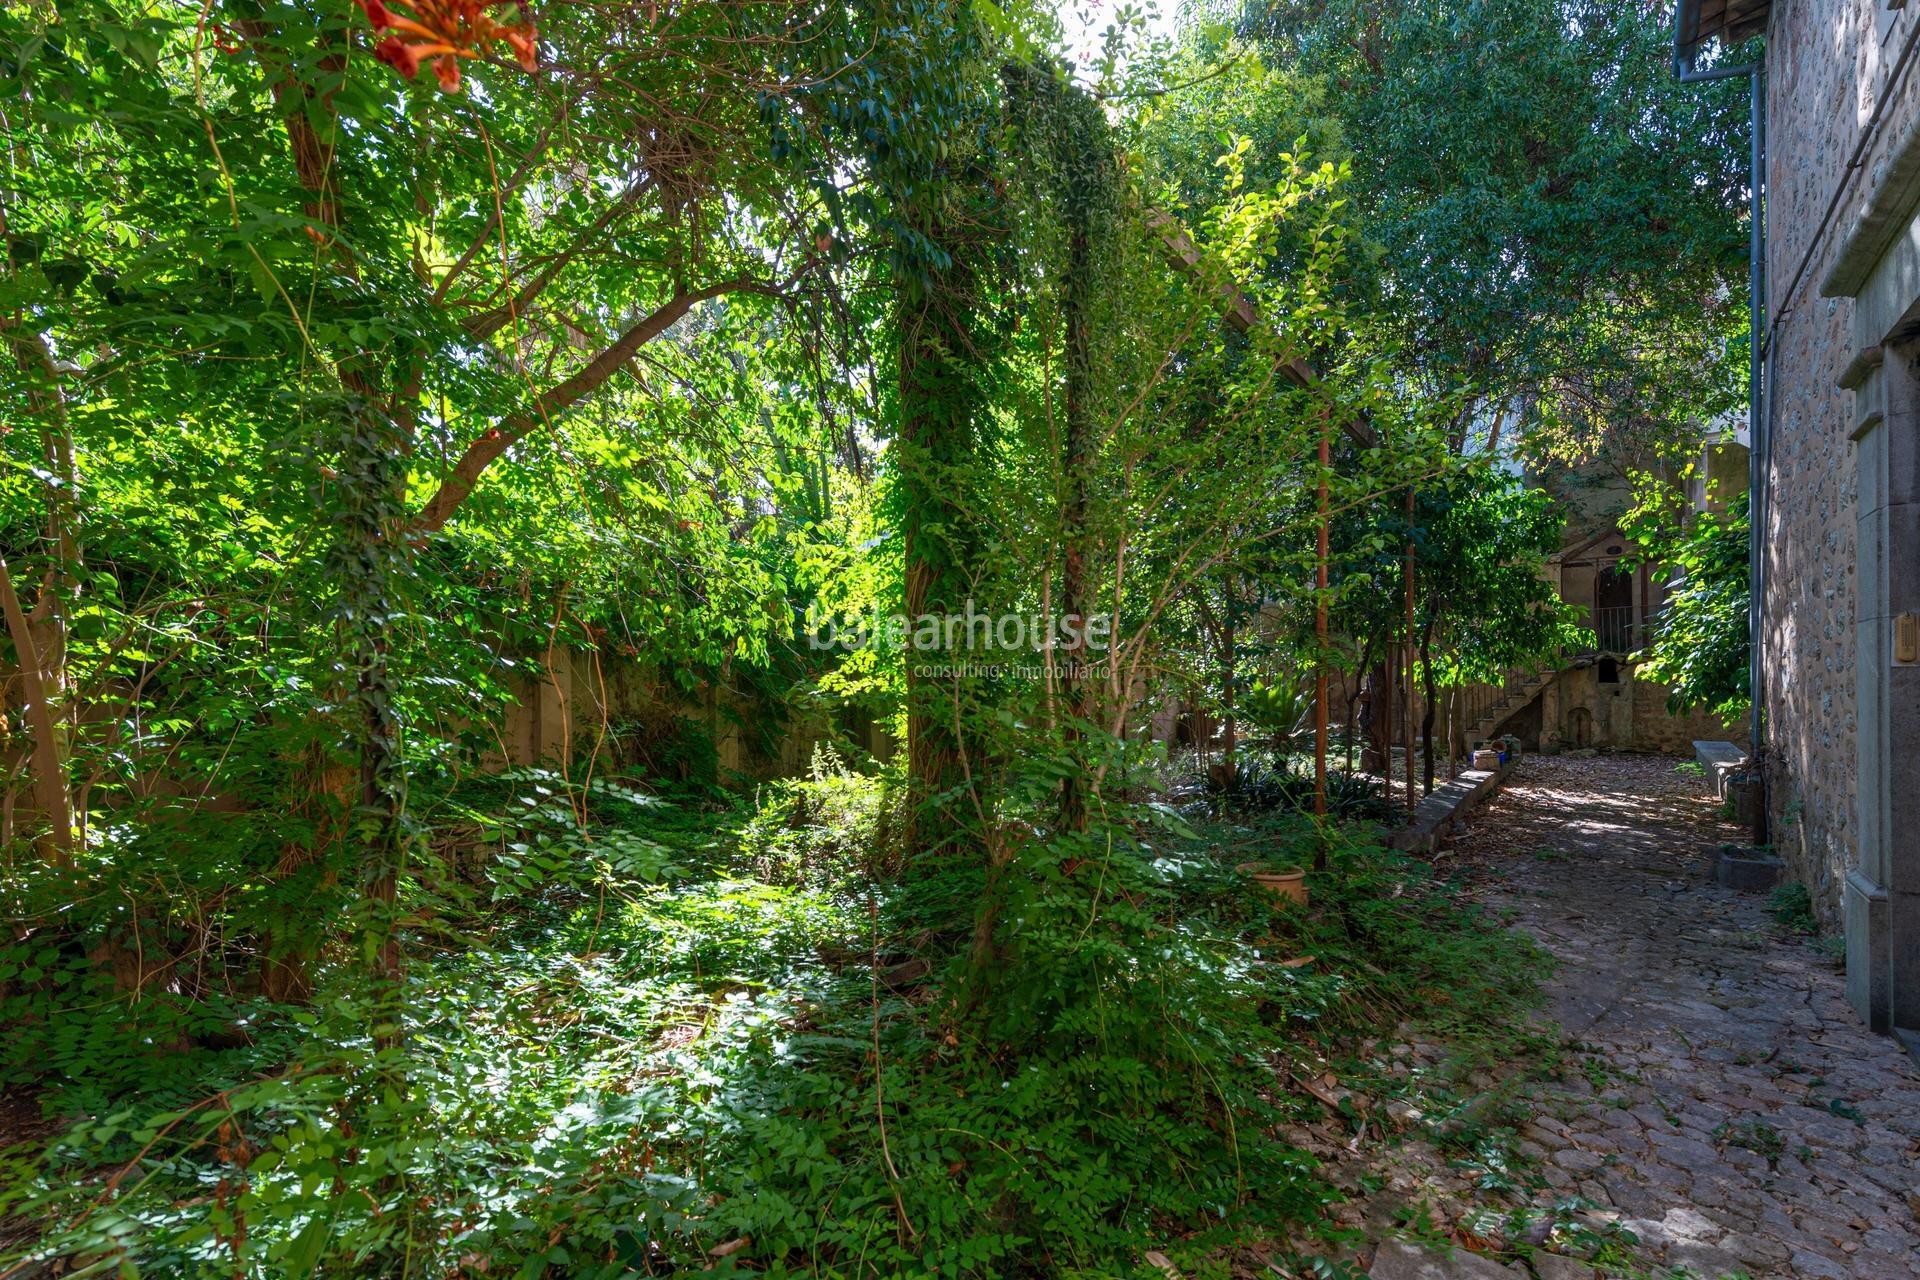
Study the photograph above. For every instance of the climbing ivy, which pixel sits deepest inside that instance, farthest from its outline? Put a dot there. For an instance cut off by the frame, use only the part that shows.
(577, 375)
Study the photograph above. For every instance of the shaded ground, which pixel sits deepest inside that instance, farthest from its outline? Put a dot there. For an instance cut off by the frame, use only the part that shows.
(1730, 1112)
(1736, 1114)
(1717, 1097)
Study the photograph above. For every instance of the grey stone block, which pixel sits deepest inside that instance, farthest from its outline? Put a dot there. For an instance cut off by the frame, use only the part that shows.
(1814, 1266)
(1746, 870)
(1398, 1260)
(1557, 1266)
(1721, 760)
(1439, 813)
(1864, 908)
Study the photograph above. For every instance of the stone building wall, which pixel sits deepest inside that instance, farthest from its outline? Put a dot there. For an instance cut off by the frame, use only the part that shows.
(1842, 535)
(1657, 729)
(1823, 70)
(1583, 709)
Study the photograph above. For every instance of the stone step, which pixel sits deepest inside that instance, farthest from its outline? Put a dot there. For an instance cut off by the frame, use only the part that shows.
(1438, 814)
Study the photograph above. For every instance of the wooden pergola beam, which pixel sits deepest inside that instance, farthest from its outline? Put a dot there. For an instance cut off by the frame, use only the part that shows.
(1240, 312)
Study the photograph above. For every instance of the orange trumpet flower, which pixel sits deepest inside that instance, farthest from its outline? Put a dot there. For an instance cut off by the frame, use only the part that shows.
(444, 31)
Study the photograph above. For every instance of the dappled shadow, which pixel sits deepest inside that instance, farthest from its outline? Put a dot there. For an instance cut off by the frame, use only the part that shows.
(1731, 1111)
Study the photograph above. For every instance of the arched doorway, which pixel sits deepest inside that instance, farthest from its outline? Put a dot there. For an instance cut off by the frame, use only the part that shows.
(1579, 728)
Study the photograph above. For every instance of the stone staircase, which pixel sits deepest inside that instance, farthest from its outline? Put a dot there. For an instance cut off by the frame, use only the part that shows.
(1488, 707)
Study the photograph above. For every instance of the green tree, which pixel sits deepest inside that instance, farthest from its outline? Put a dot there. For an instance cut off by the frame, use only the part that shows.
(1560, 221)
(1698, 644)
(1481, 547)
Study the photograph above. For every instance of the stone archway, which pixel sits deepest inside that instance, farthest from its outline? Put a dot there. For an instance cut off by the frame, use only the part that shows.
(1578, 733)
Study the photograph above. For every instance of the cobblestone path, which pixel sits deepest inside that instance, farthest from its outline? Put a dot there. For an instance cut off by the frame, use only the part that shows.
(1734, 1115)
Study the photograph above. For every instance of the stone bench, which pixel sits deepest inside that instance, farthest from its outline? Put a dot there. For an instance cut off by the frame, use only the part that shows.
(1721, 760)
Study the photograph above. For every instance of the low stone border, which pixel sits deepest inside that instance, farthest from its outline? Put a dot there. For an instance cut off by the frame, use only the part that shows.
(1746, 869)
(1437, 816)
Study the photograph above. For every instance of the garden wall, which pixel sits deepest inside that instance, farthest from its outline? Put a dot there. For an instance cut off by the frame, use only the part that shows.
(616, 713)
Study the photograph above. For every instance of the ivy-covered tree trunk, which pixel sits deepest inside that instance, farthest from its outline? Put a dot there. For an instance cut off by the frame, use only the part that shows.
(943, 201)
(1076, 588)
(370, 553)
(937, 396)
(367, 560)
(1067, 142)
(1077, 147)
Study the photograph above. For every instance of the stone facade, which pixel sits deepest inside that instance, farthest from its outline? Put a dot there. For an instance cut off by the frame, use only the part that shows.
(1604, 705)
(1598, 700)
(1840, 540)
(1807, 635)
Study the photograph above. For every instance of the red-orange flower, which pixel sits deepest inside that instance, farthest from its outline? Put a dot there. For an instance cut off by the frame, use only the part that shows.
(445, 31)
(523, 45)
(399, 55)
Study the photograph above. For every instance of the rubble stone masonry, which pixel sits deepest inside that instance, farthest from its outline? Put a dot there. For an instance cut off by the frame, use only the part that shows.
(1828, 62)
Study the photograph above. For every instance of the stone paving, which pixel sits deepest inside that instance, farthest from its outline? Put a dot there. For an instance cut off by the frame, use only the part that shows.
(1722, 1103)
(1751, 1122)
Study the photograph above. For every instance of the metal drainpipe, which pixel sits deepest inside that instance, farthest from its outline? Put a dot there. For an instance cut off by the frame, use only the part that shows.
(1757, 435)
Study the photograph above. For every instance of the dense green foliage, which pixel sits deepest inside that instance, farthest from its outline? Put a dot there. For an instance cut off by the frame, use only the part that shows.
(704, 1038)
(1698, 647)
(442, 835)
(1560, 220)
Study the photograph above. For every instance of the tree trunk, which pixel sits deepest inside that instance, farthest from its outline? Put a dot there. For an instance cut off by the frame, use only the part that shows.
(1075, 585)
(1406, 732)
(49, 768)
(936, 399)
(369, 555)
(1229, 723)
(40, 637)
(1426, 721)
(368, 559)
(1378, 756)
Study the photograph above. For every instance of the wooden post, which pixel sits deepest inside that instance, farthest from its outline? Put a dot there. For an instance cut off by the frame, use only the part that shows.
(1320, 631)
(1406, 729)
(1389, 675)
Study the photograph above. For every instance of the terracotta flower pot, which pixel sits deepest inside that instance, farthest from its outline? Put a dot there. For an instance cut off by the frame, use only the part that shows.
(1287, 885)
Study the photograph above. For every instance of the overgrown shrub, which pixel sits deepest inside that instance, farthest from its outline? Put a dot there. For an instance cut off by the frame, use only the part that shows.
(1791, 906)
(622, 1064)
(826, 825)
(1264, 780)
